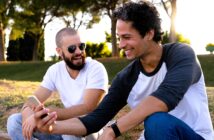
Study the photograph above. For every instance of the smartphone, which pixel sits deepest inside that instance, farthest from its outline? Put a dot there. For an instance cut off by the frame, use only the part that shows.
(33, 101)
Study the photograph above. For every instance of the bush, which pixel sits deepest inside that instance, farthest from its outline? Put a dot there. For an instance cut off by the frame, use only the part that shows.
(97, 50)
(210, 48)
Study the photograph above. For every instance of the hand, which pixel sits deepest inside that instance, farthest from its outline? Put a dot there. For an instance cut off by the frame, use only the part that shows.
(45, 124)
(28, 127)
(107, 134)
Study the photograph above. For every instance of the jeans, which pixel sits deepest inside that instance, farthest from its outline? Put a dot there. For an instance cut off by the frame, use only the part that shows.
(163, 126)
(14, 129)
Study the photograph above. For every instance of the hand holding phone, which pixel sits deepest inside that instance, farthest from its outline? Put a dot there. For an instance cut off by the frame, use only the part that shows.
(33, 102)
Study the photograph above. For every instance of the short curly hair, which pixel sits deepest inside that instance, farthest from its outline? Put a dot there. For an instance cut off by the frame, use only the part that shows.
(144, 17)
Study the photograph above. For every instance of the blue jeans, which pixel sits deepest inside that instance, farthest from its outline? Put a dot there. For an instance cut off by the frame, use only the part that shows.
(163, 126)
(14, 129)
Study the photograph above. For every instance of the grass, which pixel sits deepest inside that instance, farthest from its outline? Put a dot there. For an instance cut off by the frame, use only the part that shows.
(14, 93)
(34, 71)
(20, 79)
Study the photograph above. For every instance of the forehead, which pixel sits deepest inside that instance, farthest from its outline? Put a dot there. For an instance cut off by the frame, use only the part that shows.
(125, 28)
(70, 39)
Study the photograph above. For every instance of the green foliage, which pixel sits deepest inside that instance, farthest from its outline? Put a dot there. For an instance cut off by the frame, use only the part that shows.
(210, 48)
(97, 50)
(33, 16)
(22, 48)
(180, 38)
(41, 50)
(108, 37)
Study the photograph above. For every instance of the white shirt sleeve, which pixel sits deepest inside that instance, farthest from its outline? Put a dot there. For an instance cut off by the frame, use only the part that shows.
(49, 78)
(97, 77)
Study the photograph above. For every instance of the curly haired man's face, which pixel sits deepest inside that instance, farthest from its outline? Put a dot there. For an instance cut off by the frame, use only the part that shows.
(130, 40)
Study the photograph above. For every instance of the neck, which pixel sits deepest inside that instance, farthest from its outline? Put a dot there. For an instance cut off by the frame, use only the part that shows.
(73, 73)
(152, 59)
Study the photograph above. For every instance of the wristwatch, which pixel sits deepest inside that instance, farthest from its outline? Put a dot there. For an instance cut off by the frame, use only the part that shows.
(113, 125)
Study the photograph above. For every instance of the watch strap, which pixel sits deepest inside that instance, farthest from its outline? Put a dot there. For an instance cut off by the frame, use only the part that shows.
(116, 129)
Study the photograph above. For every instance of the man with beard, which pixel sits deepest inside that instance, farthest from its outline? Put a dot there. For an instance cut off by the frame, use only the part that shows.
(81, 83)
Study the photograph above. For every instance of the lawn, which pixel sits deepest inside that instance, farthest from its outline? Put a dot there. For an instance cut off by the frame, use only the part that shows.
(13, 93)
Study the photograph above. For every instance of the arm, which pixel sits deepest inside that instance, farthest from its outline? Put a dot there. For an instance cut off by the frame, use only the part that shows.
(150, 105)
(28, 120)
(42, 94)
(91, 99)
(49, 124)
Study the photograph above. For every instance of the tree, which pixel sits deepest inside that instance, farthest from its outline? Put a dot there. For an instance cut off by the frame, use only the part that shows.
(106, 8)
(33, 16)
(6, 10)
(170, 7)
(22, 48)
(76, 14)
(210, 48)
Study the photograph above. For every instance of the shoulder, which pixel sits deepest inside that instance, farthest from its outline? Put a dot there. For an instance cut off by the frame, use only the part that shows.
(93, 64)
(57, 66)
(177, 52)
(177, 49)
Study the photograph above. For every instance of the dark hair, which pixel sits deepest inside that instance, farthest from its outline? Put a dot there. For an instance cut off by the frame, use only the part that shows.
(144, 17)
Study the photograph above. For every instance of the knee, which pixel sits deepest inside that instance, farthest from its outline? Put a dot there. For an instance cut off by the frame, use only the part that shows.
(156, 120)
(14, 123)
(157, 124)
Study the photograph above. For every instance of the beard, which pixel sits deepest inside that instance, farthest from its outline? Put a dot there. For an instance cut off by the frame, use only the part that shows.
(71, 65)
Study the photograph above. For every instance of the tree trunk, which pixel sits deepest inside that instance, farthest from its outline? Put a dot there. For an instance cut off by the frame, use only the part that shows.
(172, 35)
(36, 47)
(114, 38)
(2, 58)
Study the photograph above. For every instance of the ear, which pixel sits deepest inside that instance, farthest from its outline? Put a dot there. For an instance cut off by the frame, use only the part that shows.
(150, 34)
(59, 51)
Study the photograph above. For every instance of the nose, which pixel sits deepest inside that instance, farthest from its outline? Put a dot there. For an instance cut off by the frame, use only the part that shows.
(122, 44)
(78, 51)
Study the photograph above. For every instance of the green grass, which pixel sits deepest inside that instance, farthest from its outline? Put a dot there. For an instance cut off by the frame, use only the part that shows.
(34, 71)
(207, 64)
(23, 71)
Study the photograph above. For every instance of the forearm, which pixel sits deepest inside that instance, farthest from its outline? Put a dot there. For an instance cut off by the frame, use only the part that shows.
(71, 127)
(26, 112)
(71, 112)
(147, 107)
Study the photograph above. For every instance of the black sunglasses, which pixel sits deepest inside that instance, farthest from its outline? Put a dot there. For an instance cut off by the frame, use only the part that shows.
(72, 48)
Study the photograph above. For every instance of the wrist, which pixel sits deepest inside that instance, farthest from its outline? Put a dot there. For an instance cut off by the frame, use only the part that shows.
(114, 127)
(51, 128)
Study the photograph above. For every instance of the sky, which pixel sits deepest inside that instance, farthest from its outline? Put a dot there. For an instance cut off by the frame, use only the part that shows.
(195, 20)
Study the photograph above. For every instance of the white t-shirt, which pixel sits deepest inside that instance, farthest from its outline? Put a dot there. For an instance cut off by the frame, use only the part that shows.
(92, 76)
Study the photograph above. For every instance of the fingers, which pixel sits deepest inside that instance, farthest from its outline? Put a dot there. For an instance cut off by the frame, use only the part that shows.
(43, 124)
(40, 111)
(38, 108)
(27, 131)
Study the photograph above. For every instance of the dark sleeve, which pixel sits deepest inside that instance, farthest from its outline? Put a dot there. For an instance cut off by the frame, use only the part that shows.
(183, 70)
(115, 100)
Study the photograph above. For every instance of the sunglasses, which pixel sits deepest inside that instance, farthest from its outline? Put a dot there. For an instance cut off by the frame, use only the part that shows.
(72, 48)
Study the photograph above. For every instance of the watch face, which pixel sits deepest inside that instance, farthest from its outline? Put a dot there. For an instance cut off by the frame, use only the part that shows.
(110, 123)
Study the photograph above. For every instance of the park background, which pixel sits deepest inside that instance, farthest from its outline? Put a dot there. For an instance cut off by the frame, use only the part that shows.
(27, 42)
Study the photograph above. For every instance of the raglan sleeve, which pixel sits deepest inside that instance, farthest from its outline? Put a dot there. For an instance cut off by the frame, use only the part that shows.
(183, 70)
